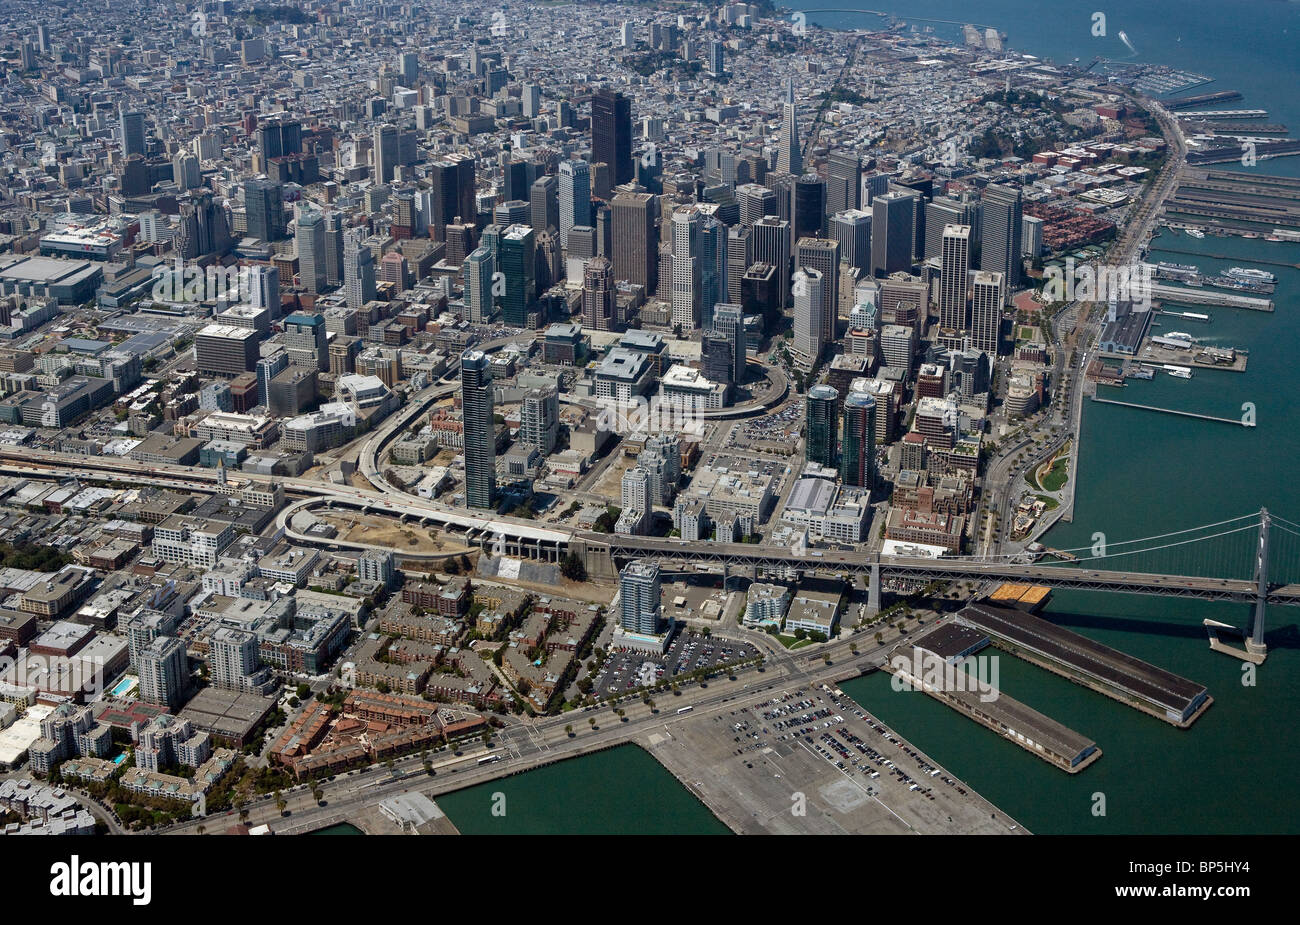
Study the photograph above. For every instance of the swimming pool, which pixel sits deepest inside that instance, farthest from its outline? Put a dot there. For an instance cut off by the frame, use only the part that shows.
(123, 687)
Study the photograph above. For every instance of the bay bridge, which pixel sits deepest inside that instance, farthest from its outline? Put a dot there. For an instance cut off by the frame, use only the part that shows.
(1250, 559)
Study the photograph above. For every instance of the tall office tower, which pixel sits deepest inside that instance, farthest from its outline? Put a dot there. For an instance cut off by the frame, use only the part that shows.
(740, 254)
(185, 171)
(598, 295)
(844, 181)
(686, 267)
(164, 672)
(634, 492)
(531, 99)
(306, 340)
(130, 133)
(713, 269)
(1000, 233)
(582, 245)
(891, 233)
(279, 137)
(851, 228)
(384, 151)
(820, 419)
(873, 185)
(611, 134)
(755, 202)
(310, 238)
(772, 246)
(333, 249)
(517, 178)
(517, 263)
(782, 184)
(988, 293)
(264, 289)
(639, 595)
(264, 209)
(479, 268)
(267, 368)
(823, 255)
(941, 212)
(544, 201)
(1031, 237)
(408, 66)
(634, 246)
(480, 431)
(604, 231)
(717, 59)
(809, 309)
(954, 275)
(453, 196)
(575, 196)
(358, 270)
(539, 418)
(729, 323)
(460, 240)
(858, 446)
(203, 228)
(789, 153)
(808, 207)
(512, 212)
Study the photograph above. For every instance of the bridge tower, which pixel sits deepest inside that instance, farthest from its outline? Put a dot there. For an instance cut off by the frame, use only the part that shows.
(873, 590)
(1255, 644)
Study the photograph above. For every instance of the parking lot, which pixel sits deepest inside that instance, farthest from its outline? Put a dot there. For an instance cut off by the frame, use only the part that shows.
(626, 670)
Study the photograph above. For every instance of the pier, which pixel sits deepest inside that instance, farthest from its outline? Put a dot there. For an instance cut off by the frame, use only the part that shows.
(1037, 734)
(1117, 675)
(1186, 102)
(1162, 293)
(1186, 414)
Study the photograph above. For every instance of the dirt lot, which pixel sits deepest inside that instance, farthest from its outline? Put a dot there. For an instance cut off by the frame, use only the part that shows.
(383, 531)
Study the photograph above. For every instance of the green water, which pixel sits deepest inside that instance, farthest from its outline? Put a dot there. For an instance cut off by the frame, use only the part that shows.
(343, 828)
(620, 791)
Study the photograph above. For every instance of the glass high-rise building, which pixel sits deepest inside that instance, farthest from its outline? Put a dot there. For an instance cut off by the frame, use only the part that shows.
(858, 446)
(480, 431)
(954, 273)
(820, 420)
(611, 134)
(517, 263)
(575, 197)
(1000, 232)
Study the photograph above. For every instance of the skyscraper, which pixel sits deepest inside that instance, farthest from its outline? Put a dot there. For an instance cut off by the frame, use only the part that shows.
(729, 322)
(820, 415)
(480, 430)
(544, 202)
(333, 249)
(639, 593)
(954, 274)
(844, 180)
(310, 238)
(755, 201)
(517, 263)
(989, 291)
(1000, 232)
(164, 672)
(635, 239)
(789, 154)
(611, 135)
(279, 137)
(384, 151)
(130, 132)
(851, 229)
(598, 295)
(858, 446)
(717, 59)
(891, 233)
(358, 270)
(808, 206)
(740, 254)
(479, 268)
(453, 196)
(809, 309)
(823, 255)
(687, 267)
(575, 197)
(941, 212)
(264, 209)
(772, 246)
(539, 418)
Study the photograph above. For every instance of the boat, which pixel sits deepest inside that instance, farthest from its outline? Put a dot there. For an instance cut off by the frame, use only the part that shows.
(1196, 232)
(1179, 372)
(1250, 274)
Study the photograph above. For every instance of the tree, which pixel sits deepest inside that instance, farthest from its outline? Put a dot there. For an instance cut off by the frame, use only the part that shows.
(572, 567)
(568, 730)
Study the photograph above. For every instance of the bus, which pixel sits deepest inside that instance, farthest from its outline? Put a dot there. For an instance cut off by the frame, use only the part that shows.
(488, 759)
(686, 709)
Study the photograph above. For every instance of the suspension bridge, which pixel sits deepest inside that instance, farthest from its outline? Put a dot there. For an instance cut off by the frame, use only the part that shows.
(1252, 559)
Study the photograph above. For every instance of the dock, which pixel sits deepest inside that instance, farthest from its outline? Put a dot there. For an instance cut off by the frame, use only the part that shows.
(1037, 734)
(1186, 102)
(1117, 675)
(1186, 296)
(1186, 414)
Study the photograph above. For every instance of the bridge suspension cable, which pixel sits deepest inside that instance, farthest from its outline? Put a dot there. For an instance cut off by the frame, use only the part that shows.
(1134, 552)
